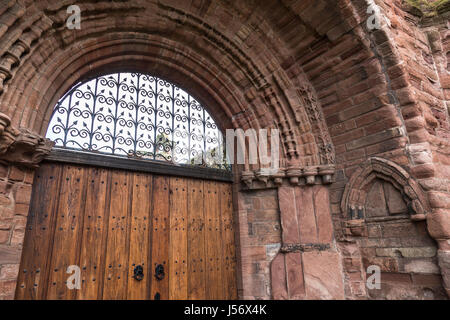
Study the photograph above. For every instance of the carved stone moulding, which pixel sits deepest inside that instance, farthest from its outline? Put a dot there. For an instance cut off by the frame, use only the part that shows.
(20, 146)
(310, 175)
(355, 192)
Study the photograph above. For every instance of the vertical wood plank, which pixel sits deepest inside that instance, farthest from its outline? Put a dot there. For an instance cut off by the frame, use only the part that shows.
(229, 251)
(33, 272)
(66, 243)
(196, 241)
(214, 281)
(178, 239)
(116, 262)
(160, 237)
(92, 243)
(139, 239)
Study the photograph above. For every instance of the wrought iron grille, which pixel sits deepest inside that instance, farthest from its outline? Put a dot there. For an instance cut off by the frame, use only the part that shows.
(139, 116)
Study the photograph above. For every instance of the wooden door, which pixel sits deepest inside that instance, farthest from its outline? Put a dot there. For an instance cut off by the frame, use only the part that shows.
(109, 223)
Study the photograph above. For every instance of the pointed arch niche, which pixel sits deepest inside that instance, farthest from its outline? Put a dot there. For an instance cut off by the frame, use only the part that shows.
(382, 188)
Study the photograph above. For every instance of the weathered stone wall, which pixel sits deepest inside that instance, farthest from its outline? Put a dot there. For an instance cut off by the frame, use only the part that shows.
(308, 266)
(401, 248)
(260, 237)
(15, 196)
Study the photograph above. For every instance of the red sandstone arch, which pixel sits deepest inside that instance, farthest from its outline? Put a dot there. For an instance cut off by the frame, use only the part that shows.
(239, 88)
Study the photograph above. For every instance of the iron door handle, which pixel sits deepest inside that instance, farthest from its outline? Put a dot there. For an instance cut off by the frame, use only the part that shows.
(159, 272)
(138, 273)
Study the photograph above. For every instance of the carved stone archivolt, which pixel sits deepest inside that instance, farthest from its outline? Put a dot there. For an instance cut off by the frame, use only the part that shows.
(356, 190)
(20, 146)
(287, 100)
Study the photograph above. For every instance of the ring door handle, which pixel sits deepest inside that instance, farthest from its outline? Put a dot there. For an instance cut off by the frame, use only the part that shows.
(159, 272)
(138, 273)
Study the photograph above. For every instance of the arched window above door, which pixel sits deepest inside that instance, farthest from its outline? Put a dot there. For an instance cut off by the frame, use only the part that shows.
(140, 116)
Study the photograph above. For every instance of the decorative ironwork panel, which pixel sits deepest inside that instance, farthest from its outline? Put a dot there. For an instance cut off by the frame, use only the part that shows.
(139, 116)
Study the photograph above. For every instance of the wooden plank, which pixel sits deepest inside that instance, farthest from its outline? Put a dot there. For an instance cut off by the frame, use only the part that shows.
(214, 281)
(116, 262)
(139, 239)
(33, 272)
(92, 243)
(178, 239)
(160, 237)
(229, 251)
(69, 219)
(196, 241)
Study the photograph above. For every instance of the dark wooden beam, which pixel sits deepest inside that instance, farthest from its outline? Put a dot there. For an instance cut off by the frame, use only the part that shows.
(155, 167)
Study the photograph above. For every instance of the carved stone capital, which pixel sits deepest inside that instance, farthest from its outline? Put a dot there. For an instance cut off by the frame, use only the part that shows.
(20, 146)
(297, 175)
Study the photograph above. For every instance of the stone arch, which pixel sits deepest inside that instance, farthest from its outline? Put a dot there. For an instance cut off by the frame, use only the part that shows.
(246, 82)
(357, 189)
(245, 92)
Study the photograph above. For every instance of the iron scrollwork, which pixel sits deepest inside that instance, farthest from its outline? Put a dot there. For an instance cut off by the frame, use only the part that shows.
(139, 116)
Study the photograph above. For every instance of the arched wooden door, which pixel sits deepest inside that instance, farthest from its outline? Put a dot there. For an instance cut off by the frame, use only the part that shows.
(131, 201)
(114, 223)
